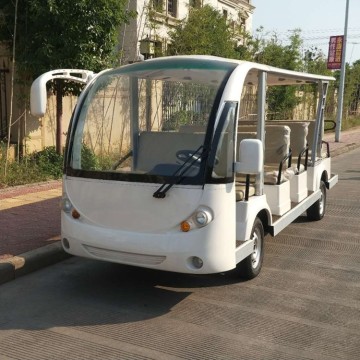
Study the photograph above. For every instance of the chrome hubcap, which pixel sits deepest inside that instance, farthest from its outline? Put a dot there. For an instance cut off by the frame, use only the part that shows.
(255, 256)
(321, 203)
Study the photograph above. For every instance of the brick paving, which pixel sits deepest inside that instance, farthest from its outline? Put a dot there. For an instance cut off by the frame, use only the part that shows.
(29, 217)
(30, 214)
(349, 139)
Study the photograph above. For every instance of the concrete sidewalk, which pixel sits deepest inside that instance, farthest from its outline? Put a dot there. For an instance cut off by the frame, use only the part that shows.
(30, 219)
(349, 140)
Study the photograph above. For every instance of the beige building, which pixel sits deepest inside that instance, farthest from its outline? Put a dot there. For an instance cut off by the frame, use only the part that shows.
(147, 34)
(141, 36)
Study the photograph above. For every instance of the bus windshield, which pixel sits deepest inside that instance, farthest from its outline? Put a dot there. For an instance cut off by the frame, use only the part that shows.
(144, 121)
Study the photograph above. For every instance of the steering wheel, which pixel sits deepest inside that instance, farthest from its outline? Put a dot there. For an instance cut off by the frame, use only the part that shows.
(189, 156)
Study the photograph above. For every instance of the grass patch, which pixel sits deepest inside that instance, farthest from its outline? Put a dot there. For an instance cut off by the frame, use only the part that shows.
(350, 122)
(346, 124)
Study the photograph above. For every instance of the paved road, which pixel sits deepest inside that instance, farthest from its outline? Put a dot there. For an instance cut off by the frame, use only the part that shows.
(304, 305)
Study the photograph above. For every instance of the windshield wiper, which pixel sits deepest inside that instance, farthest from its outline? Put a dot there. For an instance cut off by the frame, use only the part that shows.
(160, 193)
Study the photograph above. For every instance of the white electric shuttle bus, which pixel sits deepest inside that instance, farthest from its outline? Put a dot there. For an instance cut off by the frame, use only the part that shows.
(166, 169)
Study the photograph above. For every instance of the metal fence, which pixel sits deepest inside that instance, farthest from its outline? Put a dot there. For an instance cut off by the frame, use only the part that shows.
(185, 104)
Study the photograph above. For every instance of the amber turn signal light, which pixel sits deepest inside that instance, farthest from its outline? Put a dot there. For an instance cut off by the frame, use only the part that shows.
(75, 214)
(185, 226)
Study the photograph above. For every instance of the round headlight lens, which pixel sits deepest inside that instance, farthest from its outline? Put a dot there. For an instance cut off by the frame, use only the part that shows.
(202, 218)
(66, 205)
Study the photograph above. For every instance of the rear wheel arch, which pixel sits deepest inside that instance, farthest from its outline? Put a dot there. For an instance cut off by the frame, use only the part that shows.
(265, 218)
(324, 176)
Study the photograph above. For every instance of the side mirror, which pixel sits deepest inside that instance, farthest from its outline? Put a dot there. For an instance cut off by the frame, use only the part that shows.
(251, 157)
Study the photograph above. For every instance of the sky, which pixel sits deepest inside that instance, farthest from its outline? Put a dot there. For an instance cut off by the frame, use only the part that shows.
(318, 20)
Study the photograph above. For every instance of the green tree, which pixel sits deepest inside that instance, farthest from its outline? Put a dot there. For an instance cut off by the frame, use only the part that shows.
(352, 88)
(204, 32)
(281, 99)
(315, 62)
(53, 34)
(273, 52)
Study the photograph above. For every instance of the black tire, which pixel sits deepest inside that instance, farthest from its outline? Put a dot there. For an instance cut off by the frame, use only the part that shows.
(250, 267)
(317, 211)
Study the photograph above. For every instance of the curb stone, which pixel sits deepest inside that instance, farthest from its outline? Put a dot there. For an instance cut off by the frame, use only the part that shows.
(344, 149)
(30, 261)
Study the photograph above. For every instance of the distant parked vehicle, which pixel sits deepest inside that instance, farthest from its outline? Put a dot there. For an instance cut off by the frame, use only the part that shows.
(162, 172)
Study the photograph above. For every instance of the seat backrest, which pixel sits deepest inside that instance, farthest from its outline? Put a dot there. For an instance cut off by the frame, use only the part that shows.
(161, 147)
(247, 128)
(247, 122)
(311, 132)
(192, 129)
(299, 135)
(293, 124)
(277, 141)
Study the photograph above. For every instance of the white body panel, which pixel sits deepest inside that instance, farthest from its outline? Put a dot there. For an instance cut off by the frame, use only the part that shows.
(246, 212)
(315, 173)
(298, 187)
(278, 198)
(143, 230)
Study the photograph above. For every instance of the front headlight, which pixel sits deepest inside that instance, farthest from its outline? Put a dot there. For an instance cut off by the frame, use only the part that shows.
(66, 205)
(200, 218)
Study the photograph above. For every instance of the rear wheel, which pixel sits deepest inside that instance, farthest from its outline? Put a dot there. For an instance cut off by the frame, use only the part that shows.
(250, 267)
(317, 210)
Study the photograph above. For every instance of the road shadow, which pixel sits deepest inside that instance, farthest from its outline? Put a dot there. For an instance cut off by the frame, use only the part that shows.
(302, 220)
(82, 292)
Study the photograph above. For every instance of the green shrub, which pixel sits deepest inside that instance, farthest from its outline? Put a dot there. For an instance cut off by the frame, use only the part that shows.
(88, 158)
(50, 163)
(40, 166)
(184, 117)
(350, 122)
(19, 173)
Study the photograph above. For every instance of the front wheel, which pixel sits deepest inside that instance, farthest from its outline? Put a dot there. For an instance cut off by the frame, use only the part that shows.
(250, 267)
(317, 210)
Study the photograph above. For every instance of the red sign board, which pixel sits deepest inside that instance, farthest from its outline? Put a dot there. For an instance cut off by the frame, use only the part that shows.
(335, 52)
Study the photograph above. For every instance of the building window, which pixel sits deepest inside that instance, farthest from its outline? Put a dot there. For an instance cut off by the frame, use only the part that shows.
(172, 7)
(225, 13)
(196, 4)
(158, 5)
(242, 18)
(159, 49)
(166, 7)
(242, 23)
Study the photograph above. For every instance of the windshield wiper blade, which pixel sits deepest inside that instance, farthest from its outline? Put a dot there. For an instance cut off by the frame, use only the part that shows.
(160, 193)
